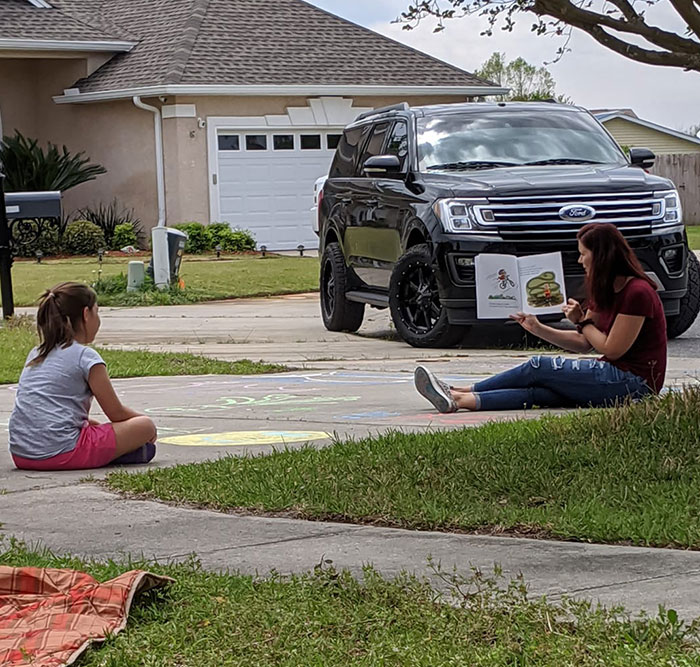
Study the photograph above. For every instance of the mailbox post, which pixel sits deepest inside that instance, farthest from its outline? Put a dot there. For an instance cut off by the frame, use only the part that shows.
(8, 305)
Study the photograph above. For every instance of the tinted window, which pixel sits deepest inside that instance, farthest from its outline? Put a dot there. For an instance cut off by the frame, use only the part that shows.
(255, 142)
(283, 142)
(229, 142)
(375, 144)
(345, 156)
(515, 137)
(332, 141)
(398, 142)
(310, 142)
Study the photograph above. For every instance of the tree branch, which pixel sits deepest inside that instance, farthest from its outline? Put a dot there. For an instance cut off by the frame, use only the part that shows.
(689, 12)
(637, 53)
(586, 20)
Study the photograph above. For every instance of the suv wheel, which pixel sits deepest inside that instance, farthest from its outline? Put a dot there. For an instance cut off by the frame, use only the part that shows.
(690, 303)
(338, 313)
(415, 304)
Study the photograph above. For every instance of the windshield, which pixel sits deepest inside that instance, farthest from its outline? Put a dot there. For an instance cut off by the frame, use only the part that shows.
(455, 142)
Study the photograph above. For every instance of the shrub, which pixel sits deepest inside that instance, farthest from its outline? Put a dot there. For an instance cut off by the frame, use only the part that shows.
(82, 237)
(198, 237)
(30, 236)
(230, 240)
(108, 218)
(124, 235)
(28, 168)
(111, 285)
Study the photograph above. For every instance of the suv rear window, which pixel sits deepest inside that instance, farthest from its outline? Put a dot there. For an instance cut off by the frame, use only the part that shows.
(513, 137)
(343, 165)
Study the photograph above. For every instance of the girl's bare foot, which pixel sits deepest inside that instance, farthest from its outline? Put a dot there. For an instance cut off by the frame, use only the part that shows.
(463, 390)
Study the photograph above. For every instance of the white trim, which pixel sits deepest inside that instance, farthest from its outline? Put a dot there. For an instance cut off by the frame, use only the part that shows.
(268, 90)
(179, 111)
(604, 118)
(11, 44)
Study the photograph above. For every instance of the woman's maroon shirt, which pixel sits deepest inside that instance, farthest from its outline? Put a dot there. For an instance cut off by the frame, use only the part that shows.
(647, 356)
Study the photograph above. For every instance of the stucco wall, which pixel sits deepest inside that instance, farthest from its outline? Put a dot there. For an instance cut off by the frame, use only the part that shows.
(631, 134)
(116, 135)
(186, 160)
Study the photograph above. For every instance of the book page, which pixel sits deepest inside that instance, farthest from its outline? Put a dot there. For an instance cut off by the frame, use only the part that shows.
(497, 286)
(543, 290)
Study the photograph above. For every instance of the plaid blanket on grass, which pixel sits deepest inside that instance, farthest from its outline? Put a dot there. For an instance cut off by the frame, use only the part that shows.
(48, 617)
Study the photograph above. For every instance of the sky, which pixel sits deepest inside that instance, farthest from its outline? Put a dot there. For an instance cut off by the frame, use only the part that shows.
(591, 75)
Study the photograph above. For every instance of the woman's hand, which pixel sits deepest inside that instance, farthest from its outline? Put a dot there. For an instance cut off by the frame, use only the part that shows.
(573, 311)
(528, 322)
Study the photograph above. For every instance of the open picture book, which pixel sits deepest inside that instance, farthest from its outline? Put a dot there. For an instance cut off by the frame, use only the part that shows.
(506, 284)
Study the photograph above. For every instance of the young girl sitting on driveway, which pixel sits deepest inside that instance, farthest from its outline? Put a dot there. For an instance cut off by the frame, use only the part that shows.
(50, 427)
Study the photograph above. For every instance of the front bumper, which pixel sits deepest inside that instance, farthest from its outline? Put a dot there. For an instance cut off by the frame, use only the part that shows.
(456, 276)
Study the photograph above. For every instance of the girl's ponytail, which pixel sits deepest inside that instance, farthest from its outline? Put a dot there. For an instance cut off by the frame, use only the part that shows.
(60, 313)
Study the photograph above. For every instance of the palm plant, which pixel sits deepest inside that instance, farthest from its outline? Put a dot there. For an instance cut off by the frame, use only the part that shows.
(28, 168)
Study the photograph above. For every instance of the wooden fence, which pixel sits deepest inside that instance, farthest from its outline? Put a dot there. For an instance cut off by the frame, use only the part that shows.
(684, 171)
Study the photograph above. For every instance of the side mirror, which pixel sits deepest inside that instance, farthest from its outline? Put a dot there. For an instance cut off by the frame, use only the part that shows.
(642, 157)
(382, 165)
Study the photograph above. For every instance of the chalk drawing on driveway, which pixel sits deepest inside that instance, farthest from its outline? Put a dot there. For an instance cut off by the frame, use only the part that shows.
(243, 438)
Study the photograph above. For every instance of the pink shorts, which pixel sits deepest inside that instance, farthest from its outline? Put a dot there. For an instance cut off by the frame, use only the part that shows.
(96, 447)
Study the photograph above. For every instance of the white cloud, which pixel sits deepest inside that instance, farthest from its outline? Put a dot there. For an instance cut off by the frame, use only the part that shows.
(591, 75)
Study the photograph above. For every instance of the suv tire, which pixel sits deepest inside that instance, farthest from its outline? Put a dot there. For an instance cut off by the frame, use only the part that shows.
(338, 313)
(690, 303)
(414, 301)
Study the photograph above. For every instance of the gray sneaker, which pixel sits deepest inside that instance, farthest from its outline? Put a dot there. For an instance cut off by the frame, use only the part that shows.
(436, 391)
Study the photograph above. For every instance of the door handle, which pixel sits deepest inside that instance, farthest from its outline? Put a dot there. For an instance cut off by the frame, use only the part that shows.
(372, 202)
(345, 200)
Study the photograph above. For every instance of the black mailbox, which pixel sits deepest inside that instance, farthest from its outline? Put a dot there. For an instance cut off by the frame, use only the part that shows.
(33, 205)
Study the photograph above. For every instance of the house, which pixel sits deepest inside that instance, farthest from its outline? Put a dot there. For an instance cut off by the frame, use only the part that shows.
(207, 110)
(630, 130)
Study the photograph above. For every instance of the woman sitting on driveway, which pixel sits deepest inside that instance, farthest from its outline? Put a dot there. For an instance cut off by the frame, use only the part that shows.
(625, 323)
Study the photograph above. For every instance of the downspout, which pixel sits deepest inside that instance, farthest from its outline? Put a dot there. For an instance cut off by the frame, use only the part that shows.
(160, 169)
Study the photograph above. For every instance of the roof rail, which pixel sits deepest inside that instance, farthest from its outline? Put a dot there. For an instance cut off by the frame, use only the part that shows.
(401, 106)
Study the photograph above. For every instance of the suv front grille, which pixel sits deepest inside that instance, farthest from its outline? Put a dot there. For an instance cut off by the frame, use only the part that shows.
(536, 218)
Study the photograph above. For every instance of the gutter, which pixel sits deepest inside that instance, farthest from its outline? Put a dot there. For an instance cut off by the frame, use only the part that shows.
(11, 44)
(160, 167)
(73, 95)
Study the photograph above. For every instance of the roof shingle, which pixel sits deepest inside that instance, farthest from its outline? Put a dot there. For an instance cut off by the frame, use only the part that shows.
(247, 42)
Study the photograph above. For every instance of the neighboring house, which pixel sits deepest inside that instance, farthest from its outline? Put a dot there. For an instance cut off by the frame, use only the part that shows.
(678, 154)
(205, 109)
(630, 130)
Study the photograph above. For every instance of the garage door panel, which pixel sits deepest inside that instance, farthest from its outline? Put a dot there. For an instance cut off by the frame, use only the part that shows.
(271, 192)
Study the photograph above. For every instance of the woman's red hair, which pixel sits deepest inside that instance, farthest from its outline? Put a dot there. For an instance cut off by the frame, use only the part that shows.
(611, 256)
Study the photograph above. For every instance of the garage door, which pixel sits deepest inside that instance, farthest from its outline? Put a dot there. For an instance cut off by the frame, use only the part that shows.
(266, 182)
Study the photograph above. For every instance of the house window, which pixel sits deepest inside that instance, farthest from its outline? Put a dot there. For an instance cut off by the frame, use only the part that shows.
(256, 142)
(229, 142)
(310, 142)
(283, 142)
(332, 141)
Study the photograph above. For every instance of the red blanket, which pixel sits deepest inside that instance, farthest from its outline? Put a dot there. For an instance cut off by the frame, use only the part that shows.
(49, 617)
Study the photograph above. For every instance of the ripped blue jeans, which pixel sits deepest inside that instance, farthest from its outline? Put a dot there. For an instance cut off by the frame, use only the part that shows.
(556, 382)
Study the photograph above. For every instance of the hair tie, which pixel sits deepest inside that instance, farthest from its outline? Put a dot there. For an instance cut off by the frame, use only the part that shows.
(51, 294)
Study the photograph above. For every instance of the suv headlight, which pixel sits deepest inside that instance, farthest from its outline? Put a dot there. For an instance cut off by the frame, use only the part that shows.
(671, 208)
(464, 215)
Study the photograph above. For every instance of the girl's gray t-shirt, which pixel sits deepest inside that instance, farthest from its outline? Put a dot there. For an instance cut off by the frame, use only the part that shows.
(52, 403)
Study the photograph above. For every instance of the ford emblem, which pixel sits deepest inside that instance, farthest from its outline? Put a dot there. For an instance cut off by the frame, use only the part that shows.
(577, 213)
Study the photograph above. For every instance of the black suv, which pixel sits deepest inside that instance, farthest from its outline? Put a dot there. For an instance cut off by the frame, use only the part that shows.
(414, 194)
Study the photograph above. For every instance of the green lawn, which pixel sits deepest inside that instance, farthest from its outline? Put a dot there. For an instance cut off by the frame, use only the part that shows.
(628, 474)
(18, 338)
(694, 237)
(205, 279)
(328, 618)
